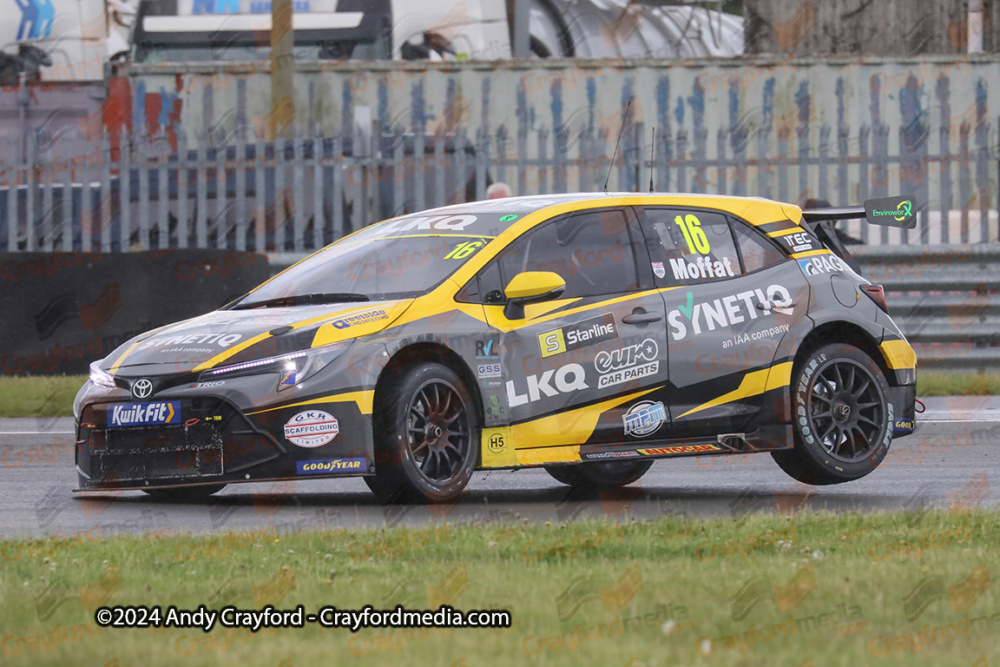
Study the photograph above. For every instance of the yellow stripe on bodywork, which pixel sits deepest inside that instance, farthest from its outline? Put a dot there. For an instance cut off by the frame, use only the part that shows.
(753, 384)
(573, 427)
(364, 399)
(898, 354)
(811, 253)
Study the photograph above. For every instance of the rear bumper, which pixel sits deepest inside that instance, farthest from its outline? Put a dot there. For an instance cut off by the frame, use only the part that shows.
(904, 399)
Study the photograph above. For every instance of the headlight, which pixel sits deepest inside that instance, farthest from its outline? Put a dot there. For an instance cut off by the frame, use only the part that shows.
(99, 376)
(292, 368)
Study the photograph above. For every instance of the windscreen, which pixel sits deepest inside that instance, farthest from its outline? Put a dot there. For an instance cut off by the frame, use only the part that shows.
(401, 258)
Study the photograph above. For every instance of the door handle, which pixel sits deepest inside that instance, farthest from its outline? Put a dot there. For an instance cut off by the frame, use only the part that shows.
(769, 305)
(641, 318)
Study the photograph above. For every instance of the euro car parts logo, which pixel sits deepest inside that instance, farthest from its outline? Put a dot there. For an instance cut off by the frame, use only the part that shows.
(312, 428)
(571, 377)
(628, 363)
(644, 418)
(785, 598)
(728, 311)
(588, 332)
(960, 597)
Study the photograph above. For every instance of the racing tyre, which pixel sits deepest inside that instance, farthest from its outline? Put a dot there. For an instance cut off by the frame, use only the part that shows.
(426, 436)
(843, 417)
(601, 475)
(185, 493)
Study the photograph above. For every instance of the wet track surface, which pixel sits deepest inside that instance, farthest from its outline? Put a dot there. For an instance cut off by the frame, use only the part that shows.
(953, 458)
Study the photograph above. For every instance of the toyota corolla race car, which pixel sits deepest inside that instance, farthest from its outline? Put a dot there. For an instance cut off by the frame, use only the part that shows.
(586, 334)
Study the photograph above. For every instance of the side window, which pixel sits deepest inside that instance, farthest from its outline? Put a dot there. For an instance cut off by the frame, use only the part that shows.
(757, 251)
(484, 287)
(689, 246)
(591, 251)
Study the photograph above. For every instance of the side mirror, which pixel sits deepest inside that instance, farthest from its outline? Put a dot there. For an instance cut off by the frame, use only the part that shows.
(531, 287)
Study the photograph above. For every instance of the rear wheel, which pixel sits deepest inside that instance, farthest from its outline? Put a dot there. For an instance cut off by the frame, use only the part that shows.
(185, 493)
(600, 475)
(426, 436)
(843, 417)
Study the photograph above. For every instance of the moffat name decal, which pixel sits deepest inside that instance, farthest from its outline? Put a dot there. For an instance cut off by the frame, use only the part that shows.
(727, 311)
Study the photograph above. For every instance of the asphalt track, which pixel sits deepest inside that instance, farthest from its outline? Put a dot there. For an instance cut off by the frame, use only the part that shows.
(951, 460)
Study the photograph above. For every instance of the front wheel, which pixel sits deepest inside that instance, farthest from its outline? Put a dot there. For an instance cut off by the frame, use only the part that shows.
(426, 436)
(843, 417)
(602, 475)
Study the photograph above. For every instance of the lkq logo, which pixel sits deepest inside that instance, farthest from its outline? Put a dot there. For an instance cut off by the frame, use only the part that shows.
(644, 418)
(817, 266)
(588, 332)
(628, 363)
(728, 311)
(571, 377)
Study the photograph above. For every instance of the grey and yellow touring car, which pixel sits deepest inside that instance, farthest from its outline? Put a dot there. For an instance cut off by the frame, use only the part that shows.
(589, 334)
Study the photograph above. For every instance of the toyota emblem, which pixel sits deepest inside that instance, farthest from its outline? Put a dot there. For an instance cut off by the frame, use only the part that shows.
(142, 388)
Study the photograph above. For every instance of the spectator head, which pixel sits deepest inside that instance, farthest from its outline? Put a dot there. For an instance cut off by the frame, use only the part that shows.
(498, 190)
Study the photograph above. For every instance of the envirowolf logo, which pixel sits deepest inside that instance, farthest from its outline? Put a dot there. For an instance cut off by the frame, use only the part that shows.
(37, 17)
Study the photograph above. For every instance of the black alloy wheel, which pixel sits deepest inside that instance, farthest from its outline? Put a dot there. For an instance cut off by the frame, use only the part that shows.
(843, 418)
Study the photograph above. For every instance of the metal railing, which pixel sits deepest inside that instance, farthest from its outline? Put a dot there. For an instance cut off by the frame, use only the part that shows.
(292, 196)
(946, 299)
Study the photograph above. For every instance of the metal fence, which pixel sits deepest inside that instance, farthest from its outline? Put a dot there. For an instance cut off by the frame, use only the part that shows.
(946, 299)
(291, 196)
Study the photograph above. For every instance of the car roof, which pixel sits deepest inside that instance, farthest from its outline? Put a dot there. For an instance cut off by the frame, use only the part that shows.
(755, 210)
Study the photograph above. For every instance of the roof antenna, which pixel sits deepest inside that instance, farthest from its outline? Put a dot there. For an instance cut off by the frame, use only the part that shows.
(615, 154)
(652, 159)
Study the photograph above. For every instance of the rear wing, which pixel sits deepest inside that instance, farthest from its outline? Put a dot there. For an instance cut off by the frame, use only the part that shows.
(886, 211)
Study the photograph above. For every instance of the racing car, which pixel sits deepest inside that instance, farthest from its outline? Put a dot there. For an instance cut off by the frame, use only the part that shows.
(588, 334)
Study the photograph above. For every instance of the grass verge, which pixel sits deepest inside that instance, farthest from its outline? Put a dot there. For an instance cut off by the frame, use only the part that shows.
(53, 396)
(49, 396)
(816, 589)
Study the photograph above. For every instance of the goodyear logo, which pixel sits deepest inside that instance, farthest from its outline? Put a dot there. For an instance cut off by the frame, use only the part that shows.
(588, 332)
(680, 449)
(328, 466)
(144, 414)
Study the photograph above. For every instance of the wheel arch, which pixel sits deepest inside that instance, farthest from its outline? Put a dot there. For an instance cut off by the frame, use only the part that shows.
(416, 353)
(850, 333)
